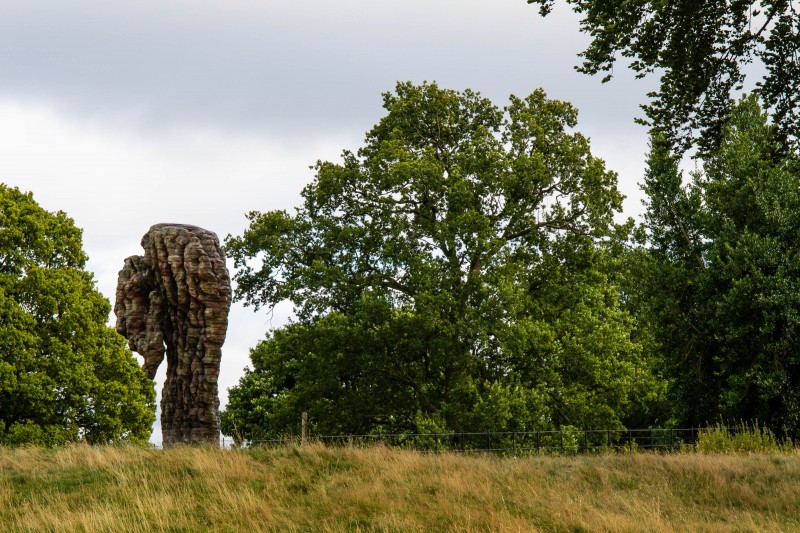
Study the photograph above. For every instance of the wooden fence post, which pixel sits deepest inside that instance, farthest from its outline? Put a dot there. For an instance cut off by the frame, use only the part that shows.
(304, 428)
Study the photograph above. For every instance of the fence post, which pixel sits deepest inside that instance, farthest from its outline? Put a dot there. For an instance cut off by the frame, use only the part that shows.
(304, 428)
(538, 442)
(514, 442)
(630, 439)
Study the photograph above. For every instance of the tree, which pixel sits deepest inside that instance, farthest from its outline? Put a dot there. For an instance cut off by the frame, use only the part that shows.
(700, 49)
(458, 260)
(722, 281)
(64, 374)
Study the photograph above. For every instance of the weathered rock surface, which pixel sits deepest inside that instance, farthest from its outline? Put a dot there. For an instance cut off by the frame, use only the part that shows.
(174, 301)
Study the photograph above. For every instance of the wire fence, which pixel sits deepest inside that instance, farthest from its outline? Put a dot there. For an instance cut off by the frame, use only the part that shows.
(563, 441)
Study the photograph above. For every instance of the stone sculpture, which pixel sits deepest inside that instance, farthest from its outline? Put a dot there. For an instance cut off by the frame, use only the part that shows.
(174, 300)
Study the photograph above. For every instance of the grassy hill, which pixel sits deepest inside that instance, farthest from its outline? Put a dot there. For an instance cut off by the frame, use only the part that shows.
(312, 488)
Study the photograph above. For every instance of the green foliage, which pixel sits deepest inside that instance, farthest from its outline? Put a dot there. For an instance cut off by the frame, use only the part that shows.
(64, 375)
(700, 50)
(743, 438)
(457, 268)
(721, 280)
(570, 440)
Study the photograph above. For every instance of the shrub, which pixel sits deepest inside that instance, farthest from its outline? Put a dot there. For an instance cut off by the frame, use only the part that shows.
(742, 438)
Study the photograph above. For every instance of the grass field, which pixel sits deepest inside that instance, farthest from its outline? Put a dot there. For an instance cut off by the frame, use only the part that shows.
(312, 488)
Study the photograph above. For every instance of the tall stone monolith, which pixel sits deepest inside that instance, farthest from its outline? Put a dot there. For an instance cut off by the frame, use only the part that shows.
(174, 301)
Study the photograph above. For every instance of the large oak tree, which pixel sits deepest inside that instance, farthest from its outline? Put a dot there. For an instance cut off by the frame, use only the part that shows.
(451, 274)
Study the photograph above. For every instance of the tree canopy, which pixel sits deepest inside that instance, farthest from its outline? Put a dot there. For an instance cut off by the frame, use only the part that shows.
(701, 50)
(457, 264)
(721, 281)
(64, 374)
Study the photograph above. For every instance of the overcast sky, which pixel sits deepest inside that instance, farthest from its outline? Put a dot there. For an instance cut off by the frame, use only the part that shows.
(129, 113)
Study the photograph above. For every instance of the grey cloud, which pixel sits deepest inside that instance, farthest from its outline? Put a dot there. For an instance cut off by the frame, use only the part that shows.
(290, 68)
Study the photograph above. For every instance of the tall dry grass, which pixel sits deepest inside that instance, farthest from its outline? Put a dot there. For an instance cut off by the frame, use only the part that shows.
(313, 488)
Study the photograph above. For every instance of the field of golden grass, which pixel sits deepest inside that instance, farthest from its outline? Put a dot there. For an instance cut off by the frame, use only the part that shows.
(313, 488)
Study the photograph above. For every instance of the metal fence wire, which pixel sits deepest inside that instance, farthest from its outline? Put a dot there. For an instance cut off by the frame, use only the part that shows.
(563, 441)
